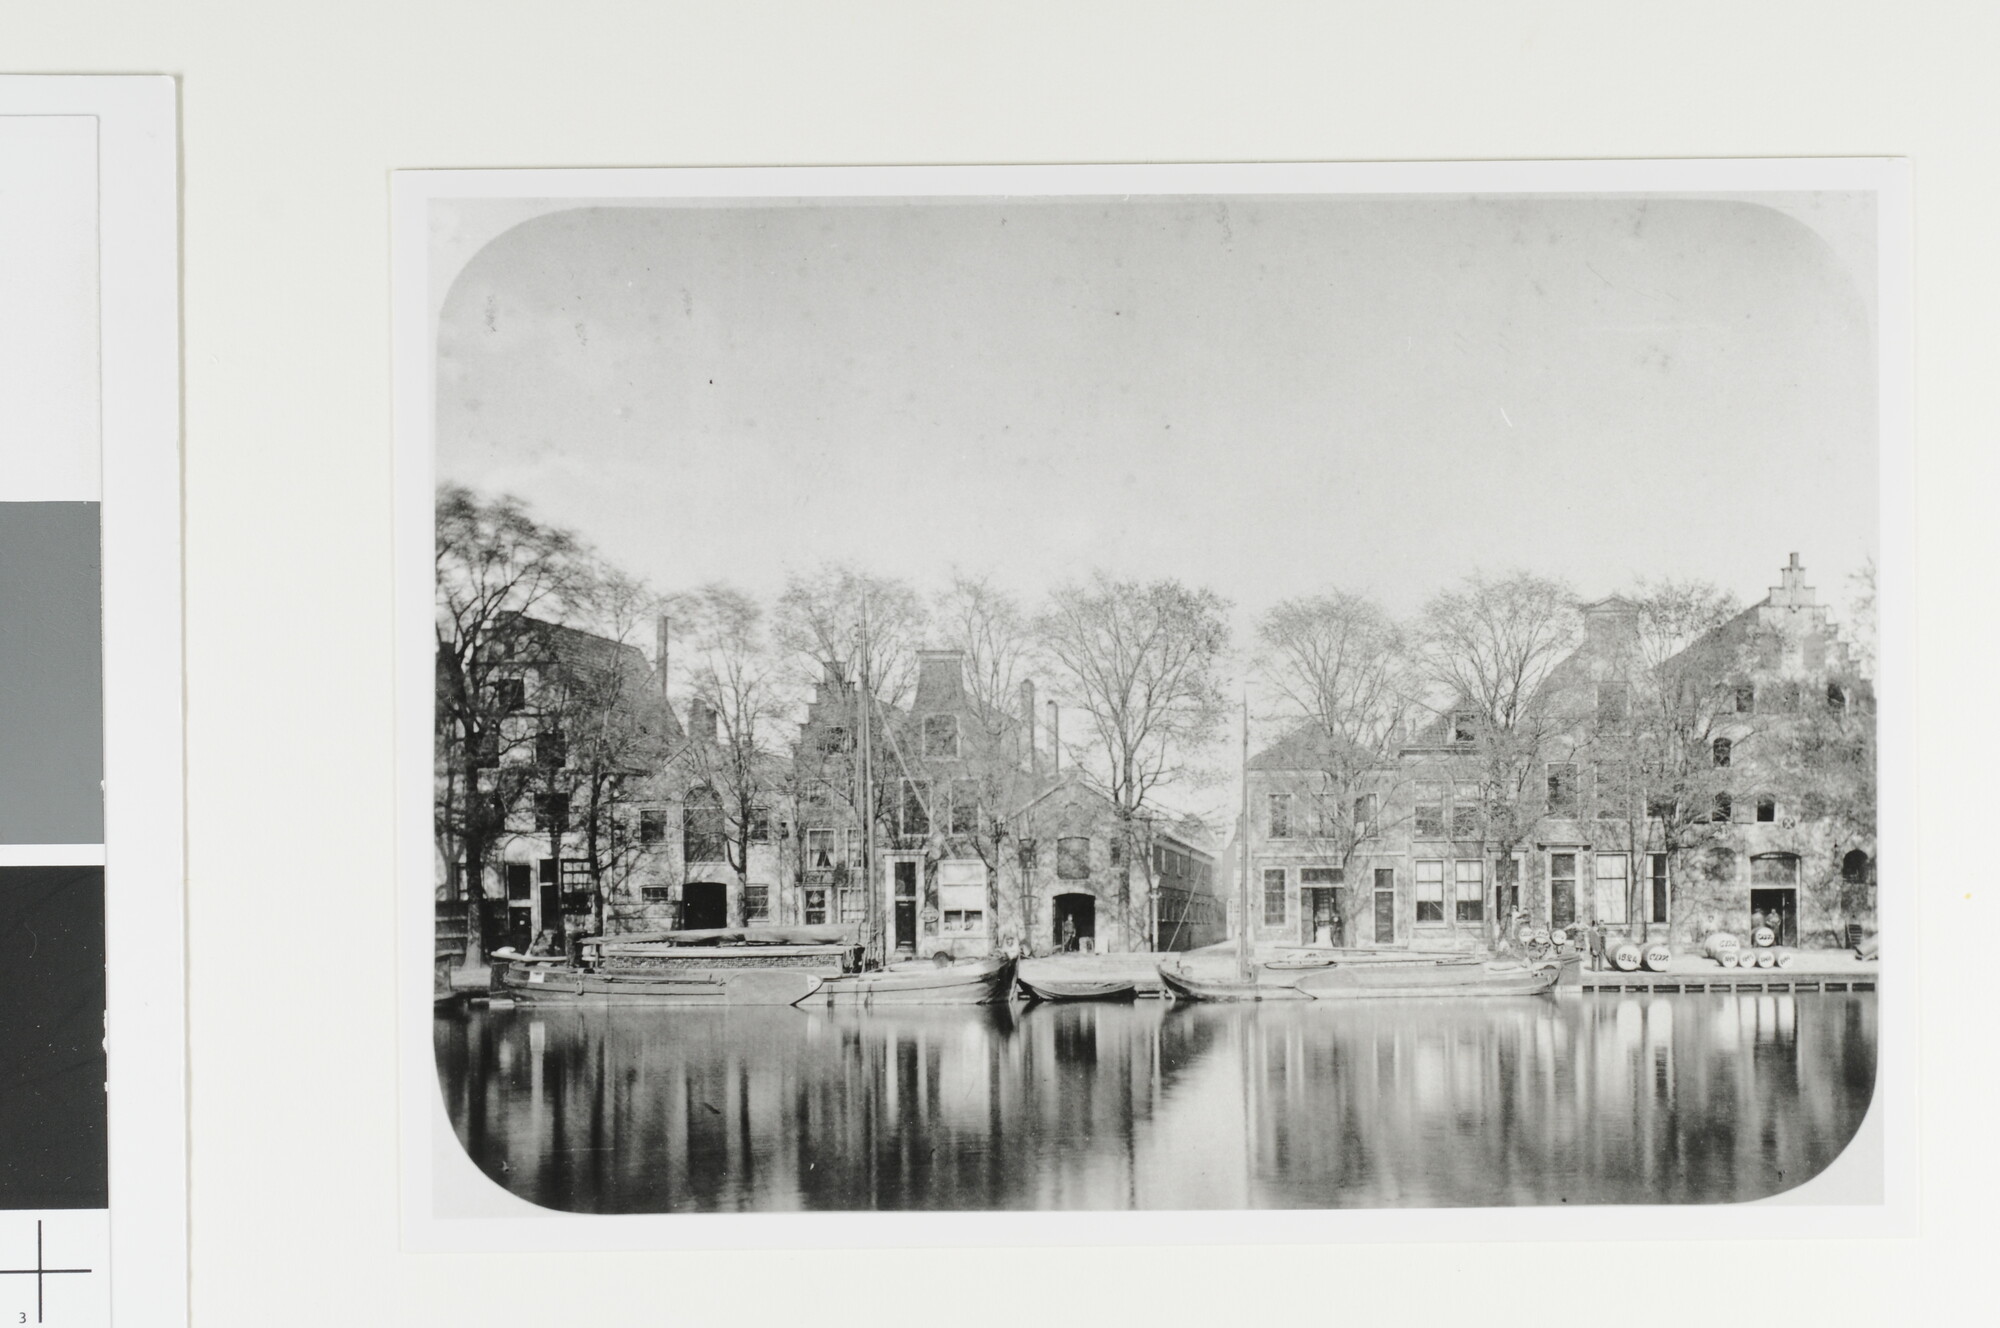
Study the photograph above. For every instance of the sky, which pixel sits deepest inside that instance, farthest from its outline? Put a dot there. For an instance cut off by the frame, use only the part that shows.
(1268, 396)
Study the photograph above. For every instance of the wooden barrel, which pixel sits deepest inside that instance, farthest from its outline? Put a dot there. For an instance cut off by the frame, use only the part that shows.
(1525, 936)
(1719, 943)
(1558, 937)
(1784, 958)
(1541, 936)
(1624, 955)
(1763, 936)
(1767, 958)
(1656, 957)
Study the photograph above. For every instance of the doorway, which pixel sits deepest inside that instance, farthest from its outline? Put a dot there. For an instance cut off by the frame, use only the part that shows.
(1777, 909)
(1075, 917)
(520, 906)
(906, 906)
(704, 905)
(1385, 906)
(1319, 914)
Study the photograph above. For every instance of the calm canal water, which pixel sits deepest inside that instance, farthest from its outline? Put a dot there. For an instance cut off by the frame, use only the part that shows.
(1649, 1099)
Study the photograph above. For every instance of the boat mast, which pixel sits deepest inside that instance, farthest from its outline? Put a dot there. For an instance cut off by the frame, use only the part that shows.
(1243, 968)
(864, 739)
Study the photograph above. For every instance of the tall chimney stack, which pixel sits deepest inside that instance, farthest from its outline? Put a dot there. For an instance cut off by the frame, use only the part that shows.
(1028, 715)
(1055, 738)
(661, 634)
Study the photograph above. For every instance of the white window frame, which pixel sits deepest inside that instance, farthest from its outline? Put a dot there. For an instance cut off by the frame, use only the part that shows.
(1417, 899)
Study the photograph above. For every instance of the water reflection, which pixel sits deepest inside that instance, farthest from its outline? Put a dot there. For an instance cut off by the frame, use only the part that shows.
(1646, 1099)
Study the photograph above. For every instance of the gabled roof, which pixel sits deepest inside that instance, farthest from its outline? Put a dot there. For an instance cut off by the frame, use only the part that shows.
(1309, 747)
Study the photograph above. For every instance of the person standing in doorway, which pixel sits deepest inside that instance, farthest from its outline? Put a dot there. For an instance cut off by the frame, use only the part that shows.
(1596, 945)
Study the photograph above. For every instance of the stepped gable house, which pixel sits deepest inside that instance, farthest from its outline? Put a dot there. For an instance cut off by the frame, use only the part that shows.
(1432, 845)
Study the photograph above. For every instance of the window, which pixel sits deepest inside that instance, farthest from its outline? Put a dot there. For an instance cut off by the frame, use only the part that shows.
(656, 894)
(1562, 889)
(916, 818)
(1612, 894)
(1720, 751)
(1767, 807)
(1465, 811)
(1430, 891)
(1469, 890)
(1722, 810)
(940, 736)
(960, 921)
(820, 850)
(1320, 878)
(1073, 857)
(1464, 726)
(703, 832)
(1118, 853)
(835, 739)
(1364, 816)
(1746, 699)
(965, 806)
(552, 813)
(1661, 806)
(760, 825)
(1562, 789)
(1025, 850)
(1656, 864)
(756, 903)
(1281, 815)
(1836, 696)
(815, 902)
(1614, 702)
(486, 750)
(1429, 812)
(552, 749)
(510, 695)
(1274, 897)
(652, 825)
(1611, 791)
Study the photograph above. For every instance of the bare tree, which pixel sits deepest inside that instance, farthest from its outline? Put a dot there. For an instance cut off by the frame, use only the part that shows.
(495, 569)
(1665, 691)
(1142, 661)
(740, 707)
(818, 621)
(1335, 670)
(1488, 650)
(989, 626)
(616, 731)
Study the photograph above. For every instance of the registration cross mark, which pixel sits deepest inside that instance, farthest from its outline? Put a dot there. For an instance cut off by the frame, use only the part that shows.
(39, 1272)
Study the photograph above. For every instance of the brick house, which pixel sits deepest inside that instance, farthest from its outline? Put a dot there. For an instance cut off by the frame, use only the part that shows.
(1431, 847)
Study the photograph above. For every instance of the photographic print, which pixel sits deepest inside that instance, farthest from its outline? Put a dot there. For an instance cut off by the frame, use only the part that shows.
(1123, 690)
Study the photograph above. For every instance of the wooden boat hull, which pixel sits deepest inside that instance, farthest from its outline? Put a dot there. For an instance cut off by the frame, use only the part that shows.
(1382, 982)
(982, 983)
(1058, 990)
(1183, 986)
(561, 984)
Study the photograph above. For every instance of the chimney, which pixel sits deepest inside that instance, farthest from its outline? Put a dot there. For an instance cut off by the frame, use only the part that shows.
(660, 636)
(701, 720)
(1028, 716)
(1055, 738)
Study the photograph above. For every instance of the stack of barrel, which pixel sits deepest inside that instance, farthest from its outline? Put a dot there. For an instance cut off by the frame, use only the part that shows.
(1762, 952)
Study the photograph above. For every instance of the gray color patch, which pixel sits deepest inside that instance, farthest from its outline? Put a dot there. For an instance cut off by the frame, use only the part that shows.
(51, 675)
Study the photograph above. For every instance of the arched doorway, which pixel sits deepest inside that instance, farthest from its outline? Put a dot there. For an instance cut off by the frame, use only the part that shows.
(704, 905)
(1075, 919)
(1774, 895)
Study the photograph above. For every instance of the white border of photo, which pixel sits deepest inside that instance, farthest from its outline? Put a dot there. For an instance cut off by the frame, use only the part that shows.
(448, 1205)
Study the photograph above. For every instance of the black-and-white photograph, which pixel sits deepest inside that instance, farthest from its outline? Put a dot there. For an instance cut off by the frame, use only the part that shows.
(1155, 701)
